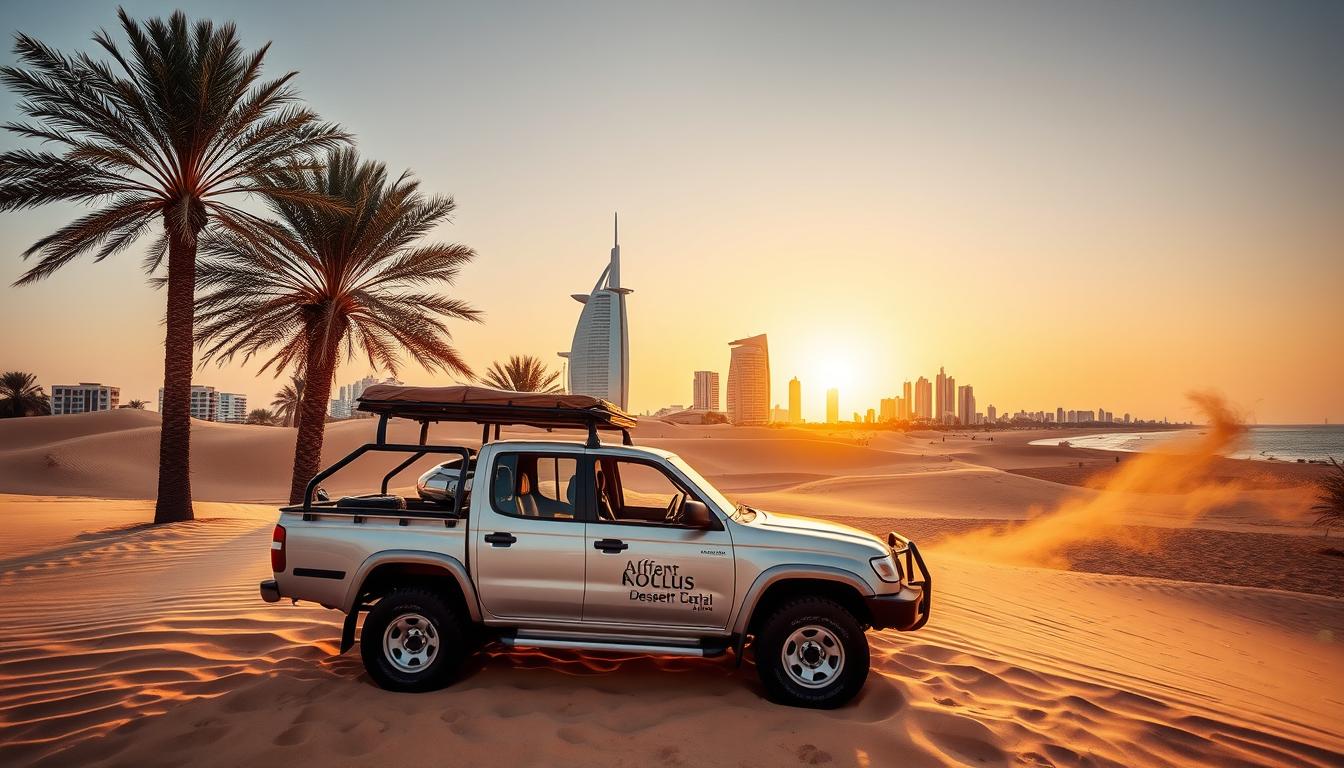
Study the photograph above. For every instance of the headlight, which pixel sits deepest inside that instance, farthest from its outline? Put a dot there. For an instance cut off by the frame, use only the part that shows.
(887, 569)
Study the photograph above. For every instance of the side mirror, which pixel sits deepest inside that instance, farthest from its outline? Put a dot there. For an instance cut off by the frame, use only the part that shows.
(695, 514)
(322, 494)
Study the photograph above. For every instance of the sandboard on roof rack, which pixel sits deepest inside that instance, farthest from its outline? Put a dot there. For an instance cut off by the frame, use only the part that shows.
(494, 407)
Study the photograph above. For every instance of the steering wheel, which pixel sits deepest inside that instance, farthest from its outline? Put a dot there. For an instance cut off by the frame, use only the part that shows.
(673, 515)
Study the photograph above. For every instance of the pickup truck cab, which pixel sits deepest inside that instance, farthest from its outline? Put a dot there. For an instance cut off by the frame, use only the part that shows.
(584, 545)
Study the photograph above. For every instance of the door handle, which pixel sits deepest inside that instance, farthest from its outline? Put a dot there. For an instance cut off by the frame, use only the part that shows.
(499, 539)
(610, 546)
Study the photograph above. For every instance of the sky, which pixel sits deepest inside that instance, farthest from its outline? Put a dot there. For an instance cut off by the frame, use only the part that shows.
(1078, 205)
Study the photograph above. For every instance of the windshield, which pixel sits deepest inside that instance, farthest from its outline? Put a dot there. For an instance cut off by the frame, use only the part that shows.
(718, 499)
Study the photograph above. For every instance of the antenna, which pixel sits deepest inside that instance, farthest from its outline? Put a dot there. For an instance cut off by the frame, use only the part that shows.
(615, 229)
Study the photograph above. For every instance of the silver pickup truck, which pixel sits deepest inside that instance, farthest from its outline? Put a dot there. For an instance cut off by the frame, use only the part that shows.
(583, 545)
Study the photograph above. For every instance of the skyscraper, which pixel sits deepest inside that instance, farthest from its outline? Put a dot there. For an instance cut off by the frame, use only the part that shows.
(1059, 415)
(749, 381)
(795, 401)
(832, 406)
(966, 405)
(599, 357)
(907, 402)
(887, 408)
(991, 415)
(950, 400)
(923, 398)
(941, 402)
(706, 394)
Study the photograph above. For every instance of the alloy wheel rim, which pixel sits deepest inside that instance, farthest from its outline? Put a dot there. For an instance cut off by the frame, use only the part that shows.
(813, 656)
(410, 642)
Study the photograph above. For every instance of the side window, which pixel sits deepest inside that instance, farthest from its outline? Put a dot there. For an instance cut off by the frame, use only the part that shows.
(557, 478)
(534, 485)
(635, 492)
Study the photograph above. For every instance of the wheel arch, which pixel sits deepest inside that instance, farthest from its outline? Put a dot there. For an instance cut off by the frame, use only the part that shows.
(781, 583)
(389, 569)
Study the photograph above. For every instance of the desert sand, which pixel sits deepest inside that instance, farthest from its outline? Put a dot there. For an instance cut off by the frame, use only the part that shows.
(1163, 635)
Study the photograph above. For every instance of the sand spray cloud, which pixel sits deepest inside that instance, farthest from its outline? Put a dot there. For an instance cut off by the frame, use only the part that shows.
(1182, 470)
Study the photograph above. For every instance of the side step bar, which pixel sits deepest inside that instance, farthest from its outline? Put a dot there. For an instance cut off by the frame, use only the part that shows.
(617, 646)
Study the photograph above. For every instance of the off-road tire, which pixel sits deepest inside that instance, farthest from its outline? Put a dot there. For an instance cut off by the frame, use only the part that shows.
(797, 616)
(450, 653)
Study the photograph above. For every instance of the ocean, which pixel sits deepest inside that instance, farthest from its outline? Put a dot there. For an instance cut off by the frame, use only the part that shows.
(1316, 442)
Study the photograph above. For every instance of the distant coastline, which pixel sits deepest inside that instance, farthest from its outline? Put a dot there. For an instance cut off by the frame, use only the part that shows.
(1290, 443)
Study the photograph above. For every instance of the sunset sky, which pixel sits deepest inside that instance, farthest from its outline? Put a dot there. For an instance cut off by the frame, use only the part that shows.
(1088, 207)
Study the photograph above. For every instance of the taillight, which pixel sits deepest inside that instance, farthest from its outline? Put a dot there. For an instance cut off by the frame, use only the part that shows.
(278, 549)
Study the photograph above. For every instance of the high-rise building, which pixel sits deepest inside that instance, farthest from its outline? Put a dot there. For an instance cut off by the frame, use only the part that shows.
(1059, 415)
(706, 395)
(923, 398)
(599, 356)
(951, 399)
(991, 413)
(795, 401)
(832, 406)
(230, 407)
(869, 417)
(907, 402)
(941, 402)
(209, 404)
(749, 381)
(966, 405)
(83, 397)
(779, 415)
(887, 408)
(203, 404)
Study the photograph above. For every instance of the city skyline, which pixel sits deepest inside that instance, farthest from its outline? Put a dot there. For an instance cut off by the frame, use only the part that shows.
(1115, 235)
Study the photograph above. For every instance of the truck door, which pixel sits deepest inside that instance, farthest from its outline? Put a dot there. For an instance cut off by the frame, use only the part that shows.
(642, 569)
(529, 536)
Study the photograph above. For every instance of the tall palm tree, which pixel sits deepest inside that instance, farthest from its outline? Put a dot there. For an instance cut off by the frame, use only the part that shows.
(286, 402)
(20, 395)
(1329, 507)
(167, 132)
(138, 405)
(318, 281)
(522, 373)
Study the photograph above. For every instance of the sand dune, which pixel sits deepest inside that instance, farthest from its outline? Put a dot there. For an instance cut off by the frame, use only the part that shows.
(141, 645)
(167, 657)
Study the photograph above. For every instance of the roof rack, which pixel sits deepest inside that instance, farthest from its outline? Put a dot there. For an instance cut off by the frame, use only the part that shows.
(494, 408)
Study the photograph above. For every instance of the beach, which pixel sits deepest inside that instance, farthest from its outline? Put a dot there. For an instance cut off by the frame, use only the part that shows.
(1170, 633)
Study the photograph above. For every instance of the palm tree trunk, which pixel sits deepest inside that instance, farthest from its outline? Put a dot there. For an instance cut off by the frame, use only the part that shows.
(174, 501)
(312, 416)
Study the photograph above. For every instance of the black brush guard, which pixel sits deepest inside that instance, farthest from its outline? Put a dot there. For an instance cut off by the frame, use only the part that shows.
(907, 556)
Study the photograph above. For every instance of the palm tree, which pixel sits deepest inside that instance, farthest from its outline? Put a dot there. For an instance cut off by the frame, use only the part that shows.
(20, 395)
(1329, 507)
(138, 405)
(286, 402)
(318, 281)
(168, 132)
(262, 416)
(522, 373)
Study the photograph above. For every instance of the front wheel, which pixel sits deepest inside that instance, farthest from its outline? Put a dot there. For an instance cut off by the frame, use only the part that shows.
(811, 652)
(412, 641)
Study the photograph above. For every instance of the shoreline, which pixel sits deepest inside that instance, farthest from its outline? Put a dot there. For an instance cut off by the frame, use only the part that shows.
(1140, 441)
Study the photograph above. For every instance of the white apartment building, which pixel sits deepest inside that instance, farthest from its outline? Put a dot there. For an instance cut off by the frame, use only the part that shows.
(209, 404)
(83, 397)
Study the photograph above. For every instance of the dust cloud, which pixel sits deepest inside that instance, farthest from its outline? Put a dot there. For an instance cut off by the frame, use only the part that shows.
(1181, 468)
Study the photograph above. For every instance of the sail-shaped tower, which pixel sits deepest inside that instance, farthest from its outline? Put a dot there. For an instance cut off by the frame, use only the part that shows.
(599, 357)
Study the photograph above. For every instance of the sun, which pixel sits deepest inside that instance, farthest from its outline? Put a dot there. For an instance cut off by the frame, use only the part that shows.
(834, 369)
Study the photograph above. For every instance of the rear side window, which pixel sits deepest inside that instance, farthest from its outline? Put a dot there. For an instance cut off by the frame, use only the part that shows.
(535, 485)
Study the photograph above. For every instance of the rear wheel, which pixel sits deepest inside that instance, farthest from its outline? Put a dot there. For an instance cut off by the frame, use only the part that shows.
(811, 652)
(412, 641)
